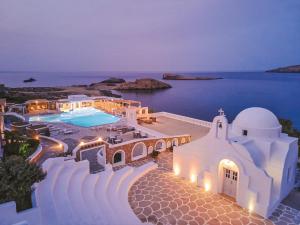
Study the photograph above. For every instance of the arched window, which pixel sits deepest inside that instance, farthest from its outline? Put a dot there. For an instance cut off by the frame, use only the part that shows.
(174, 142)
(139, 151)
(160, 145)
(119, 158)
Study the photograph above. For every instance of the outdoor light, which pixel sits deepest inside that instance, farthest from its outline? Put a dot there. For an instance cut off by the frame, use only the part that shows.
(206, 186)
(60, 145)
(176, 170)
(193, 178)
(81, 143)
(100, 139)
(251, 208)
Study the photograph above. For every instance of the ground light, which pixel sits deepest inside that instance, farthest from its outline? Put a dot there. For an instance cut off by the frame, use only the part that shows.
(207, 186)
(176, 170)
(251, 207)
(193, 178)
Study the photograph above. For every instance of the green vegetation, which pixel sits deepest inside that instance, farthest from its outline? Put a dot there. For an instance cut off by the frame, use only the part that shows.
(17, 174)
(15, 144)
(287, 127)
(16, 177)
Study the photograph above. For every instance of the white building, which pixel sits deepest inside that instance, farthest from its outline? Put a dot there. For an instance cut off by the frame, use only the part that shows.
(74, 102)
(250, 160)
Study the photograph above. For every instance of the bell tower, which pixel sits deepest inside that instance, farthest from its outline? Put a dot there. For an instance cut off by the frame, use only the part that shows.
(219, 127)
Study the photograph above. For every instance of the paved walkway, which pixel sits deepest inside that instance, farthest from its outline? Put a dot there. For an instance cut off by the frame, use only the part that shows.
(50, 149)
(160, 198)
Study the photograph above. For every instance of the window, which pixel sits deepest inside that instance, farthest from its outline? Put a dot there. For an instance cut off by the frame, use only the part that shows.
(245, 132)
(234, 175)
(159, 146)
(138, 150)
(227, 173)
(118, 157)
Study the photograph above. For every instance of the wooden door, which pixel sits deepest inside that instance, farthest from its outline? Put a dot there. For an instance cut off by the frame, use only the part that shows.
(230, 179)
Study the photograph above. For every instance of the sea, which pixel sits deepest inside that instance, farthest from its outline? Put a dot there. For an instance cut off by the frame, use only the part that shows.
(278, 92)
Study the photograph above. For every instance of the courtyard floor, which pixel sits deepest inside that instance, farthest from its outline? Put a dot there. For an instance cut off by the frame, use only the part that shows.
(162, 198)
(170, 126)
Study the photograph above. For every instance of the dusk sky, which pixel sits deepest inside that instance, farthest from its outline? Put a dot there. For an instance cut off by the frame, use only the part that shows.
(148, 35)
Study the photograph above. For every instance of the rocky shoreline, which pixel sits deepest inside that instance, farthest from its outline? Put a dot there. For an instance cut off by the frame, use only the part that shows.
(103, 88)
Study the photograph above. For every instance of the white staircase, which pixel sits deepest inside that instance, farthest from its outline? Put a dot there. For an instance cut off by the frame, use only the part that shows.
(70, 195)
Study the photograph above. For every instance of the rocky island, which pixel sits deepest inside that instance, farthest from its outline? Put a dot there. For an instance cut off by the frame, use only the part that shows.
(143, 84)
(171, 76)
(287, 69)
(102, 88)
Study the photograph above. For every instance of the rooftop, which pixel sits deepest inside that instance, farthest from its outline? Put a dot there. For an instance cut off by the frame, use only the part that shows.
(172, 127)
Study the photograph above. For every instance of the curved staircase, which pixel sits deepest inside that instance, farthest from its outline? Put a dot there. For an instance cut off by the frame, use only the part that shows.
(70, 195)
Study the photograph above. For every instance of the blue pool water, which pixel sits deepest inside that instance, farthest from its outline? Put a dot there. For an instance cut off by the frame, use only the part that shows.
(87, 117)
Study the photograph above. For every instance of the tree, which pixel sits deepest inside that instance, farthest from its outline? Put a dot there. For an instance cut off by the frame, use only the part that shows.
(16, 178)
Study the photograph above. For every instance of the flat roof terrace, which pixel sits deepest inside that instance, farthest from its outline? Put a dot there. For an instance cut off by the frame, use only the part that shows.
(171, 126)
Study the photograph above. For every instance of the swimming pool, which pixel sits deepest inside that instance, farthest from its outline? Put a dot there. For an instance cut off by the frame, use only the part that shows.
(87, 117)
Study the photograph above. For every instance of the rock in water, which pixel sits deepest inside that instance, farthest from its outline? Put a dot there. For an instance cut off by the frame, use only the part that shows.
(144, 84)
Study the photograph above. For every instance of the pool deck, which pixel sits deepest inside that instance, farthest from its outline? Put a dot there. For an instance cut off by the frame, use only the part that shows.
(172, 127)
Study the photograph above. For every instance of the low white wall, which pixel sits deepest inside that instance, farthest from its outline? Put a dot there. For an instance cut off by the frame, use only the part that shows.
(59, 142)
(8, 215)
(15, 114)
(184, 118)
(36, 153)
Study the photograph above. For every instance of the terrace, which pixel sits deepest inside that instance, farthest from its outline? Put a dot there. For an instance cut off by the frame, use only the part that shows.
(169, 125)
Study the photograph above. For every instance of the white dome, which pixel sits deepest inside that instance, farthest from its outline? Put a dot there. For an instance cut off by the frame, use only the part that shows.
(256, 117)
(257, 122)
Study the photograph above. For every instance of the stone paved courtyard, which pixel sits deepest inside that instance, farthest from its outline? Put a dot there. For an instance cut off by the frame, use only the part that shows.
(160, 197)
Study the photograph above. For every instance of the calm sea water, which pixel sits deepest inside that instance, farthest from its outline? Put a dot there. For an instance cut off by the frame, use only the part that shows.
(279, 93)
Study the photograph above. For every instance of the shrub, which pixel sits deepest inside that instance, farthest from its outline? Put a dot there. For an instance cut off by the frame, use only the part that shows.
(15, 144)
(155, 154)
(16, 177)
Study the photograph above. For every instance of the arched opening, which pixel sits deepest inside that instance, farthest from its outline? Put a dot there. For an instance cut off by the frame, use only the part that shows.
(174, 142)
(139, 150)
(160, 145)
(119, 158)
(229, 177)
(182, 140)
(150, 150)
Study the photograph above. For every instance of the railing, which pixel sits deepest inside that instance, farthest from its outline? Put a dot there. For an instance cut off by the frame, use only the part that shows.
(16, 115)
